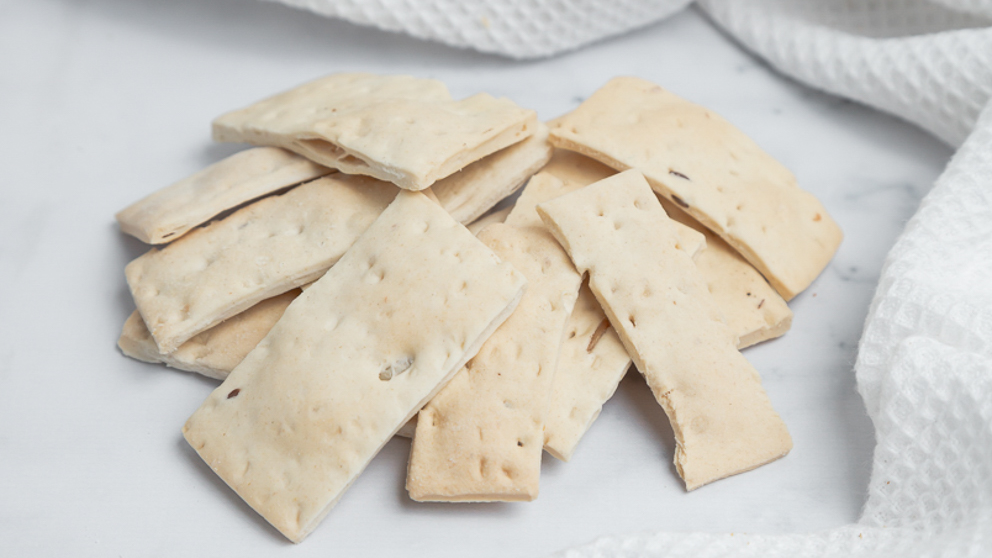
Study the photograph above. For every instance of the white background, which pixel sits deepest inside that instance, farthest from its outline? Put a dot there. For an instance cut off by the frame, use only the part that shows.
(103, 101)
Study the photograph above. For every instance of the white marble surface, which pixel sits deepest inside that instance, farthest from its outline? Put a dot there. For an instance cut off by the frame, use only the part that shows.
(106, 100)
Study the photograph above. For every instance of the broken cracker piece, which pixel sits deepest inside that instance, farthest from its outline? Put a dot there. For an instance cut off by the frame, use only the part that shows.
(723, 421)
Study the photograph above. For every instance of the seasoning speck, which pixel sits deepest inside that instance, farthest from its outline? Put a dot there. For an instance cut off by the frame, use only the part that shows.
(234, 393)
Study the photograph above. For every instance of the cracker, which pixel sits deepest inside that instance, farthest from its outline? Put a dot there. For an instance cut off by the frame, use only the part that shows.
(591, 364)
(216, 351)
(351, 360)
(480, 438)
(475, 227)
(171, 212)
(396, 128)
(480, 186)
(260, 251)
(592, 360)
(545, 186)
(752, 308)
(712, 170)
(723, 421)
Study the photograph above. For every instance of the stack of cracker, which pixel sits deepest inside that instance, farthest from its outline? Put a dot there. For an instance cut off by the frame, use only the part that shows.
(328, 278)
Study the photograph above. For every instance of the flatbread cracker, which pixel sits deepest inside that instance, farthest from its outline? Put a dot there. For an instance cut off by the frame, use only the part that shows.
(351, 360)
(399, 129)
(215, 352)
(477, 226)
(591, 364)
(650, 289)
(711, 169)
(171, 212)
(752, 308)
(477, 188)
(260, 251)
(592, 360)
(480, 438)
(545, 186)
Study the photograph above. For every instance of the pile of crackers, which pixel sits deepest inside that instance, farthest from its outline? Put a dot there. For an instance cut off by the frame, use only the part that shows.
(329, 279)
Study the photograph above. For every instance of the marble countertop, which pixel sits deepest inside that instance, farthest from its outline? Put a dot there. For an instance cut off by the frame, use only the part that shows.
(107, 100)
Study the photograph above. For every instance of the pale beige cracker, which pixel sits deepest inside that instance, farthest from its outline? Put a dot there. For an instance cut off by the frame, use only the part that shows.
(480, 438)
(592, 360)
(752, 308)
(545, 186)
(477, 226)
(215, 352)
(352, 359)
(658, 303)
(169, 213)
(400, 129)
(265, 249)
(712, 170)
(477, 188)
(591, 364)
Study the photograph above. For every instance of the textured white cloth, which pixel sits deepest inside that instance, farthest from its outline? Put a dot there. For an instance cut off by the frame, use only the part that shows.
(515, 28)
(925, 361)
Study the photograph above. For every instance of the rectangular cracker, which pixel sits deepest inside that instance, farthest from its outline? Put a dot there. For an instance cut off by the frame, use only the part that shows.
(712, 170)
(592, 360)
(475, 227)
(351, 360)
(591, 364)
(216, 351)
(586, 378)
(400, 129)
(260, 251)
(171, 212)
(723, 421)
(480, 438)
(752, 308)
(477, 188)
(545, 186)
